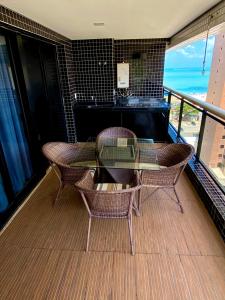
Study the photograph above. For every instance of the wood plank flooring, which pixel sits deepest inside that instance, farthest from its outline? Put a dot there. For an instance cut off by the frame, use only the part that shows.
(177, 256)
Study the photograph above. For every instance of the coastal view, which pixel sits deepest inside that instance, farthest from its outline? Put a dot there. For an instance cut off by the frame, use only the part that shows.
(195, 77)
(188, 80)
(184, 68)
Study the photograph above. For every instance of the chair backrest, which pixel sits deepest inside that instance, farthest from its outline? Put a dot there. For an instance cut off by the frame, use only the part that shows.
(63, 154)
(174, 157)
(114, 132)
(176, 154)
(104, 203)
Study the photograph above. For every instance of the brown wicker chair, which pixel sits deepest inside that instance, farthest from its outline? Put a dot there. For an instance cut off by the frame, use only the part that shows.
(60, 155)
(109, 137)
(104, 204)
(172, 160)
(114, 132)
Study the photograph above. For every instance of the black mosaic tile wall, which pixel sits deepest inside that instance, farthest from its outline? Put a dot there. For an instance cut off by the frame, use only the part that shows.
(11, 19)
(66, 73)
(146, 65)
(94, 69)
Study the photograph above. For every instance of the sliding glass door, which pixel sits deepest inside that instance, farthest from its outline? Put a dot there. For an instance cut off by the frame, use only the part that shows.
(14, 145)
(31, 114)
(3, 197)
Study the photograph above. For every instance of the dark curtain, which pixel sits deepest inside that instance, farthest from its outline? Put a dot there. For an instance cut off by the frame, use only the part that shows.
(3, 197)
(12, 135)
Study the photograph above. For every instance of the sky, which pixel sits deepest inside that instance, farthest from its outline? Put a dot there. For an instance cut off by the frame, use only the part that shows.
(190, 55)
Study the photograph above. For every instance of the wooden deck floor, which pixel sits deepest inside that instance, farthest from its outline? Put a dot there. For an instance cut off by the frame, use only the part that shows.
(177, 256)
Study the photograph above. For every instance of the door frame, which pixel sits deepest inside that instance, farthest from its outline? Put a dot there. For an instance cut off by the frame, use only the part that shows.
(16, 200)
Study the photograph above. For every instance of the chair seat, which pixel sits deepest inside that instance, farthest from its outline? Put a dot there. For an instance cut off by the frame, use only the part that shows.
(109, 214)
(109, 187)
(71, 175)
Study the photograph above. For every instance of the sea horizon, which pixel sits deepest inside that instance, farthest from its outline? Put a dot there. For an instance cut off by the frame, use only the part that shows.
(188, 80)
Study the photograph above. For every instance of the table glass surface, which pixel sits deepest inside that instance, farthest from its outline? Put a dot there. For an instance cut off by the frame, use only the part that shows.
(117, 153)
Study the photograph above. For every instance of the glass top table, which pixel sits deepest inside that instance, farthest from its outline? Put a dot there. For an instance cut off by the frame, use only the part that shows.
(117, 153)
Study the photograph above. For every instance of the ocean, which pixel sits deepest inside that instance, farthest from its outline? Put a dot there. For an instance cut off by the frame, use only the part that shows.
(187, 80)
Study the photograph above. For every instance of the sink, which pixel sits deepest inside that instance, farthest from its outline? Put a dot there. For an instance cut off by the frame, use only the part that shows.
(91, 104)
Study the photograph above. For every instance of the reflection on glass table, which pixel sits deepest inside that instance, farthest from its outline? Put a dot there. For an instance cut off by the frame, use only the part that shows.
(118, 153)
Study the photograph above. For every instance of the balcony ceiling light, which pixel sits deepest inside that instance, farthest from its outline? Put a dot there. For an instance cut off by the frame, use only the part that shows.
(98, 23)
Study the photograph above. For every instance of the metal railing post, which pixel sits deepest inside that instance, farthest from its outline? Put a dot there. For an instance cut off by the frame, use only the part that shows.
(201, 134)
(180, 117)
(169, 97)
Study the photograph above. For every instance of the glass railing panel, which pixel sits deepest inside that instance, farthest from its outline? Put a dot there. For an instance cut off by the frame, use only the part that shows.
(174, 111)
(213, 149)
(190, 125)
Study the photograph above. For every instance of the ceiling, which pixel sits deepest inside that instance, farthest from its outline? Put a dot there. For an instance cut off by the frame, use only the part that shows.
(124, 19)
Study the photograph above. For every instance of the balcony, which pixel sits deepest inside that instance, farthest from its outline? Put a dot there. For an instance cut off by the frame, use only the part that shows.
(177, 256)
(62, 83)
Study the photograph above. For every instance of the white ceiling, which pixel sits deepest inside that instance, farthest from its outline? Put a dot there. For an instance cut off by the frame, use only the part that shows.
(123, 19)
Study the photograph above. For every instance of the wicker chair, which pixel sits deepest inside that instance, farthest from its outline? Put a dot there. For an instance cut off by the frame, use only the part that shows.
(108, 204)
(109, 137)
(114, 132)
(172, 160)
(60, 155)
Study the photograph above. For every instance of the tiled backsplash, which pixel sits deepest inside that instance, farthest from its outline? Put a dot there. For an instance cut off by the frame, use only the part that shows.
(95, 67)
(146, 65)
(93, 60)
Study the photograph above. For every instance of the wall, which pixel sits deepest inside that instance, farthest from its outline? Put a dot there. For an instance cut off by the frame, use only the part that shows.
(66, 73)
(93, 61)
(146, 64)
(95, 67)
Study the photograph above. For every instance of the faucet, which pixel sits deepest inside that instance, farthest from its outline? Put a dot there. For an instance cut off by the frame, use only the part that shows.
(125, 92)
(94, 99)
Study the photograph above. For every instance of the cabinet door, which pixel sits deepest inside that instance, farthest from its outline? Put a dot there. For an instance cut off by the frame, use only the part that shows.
(108, 118)
(90, 122)
(85, 124)
(146, 124)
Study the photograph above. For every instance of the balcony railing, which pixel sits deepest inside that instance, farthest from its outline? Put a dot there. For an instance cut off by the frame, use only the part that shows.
(203, 125)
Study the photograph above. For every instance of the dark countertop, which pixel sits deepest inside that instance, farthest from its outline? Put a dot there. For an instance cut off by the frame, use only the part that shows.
(126, 104)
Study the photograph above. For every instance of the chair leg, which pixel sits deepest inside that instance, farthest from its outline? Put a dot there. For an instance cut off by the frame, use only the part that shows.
(139, 200)
(88, 235)
(131, 234)
(136, 205)
(61, 186)
(178, 201)
(149, 196)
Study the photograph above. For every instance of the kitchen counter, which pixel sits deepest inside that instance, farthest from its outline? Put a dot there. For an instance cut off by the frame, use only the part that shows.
(151, 104)
(146, 117)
